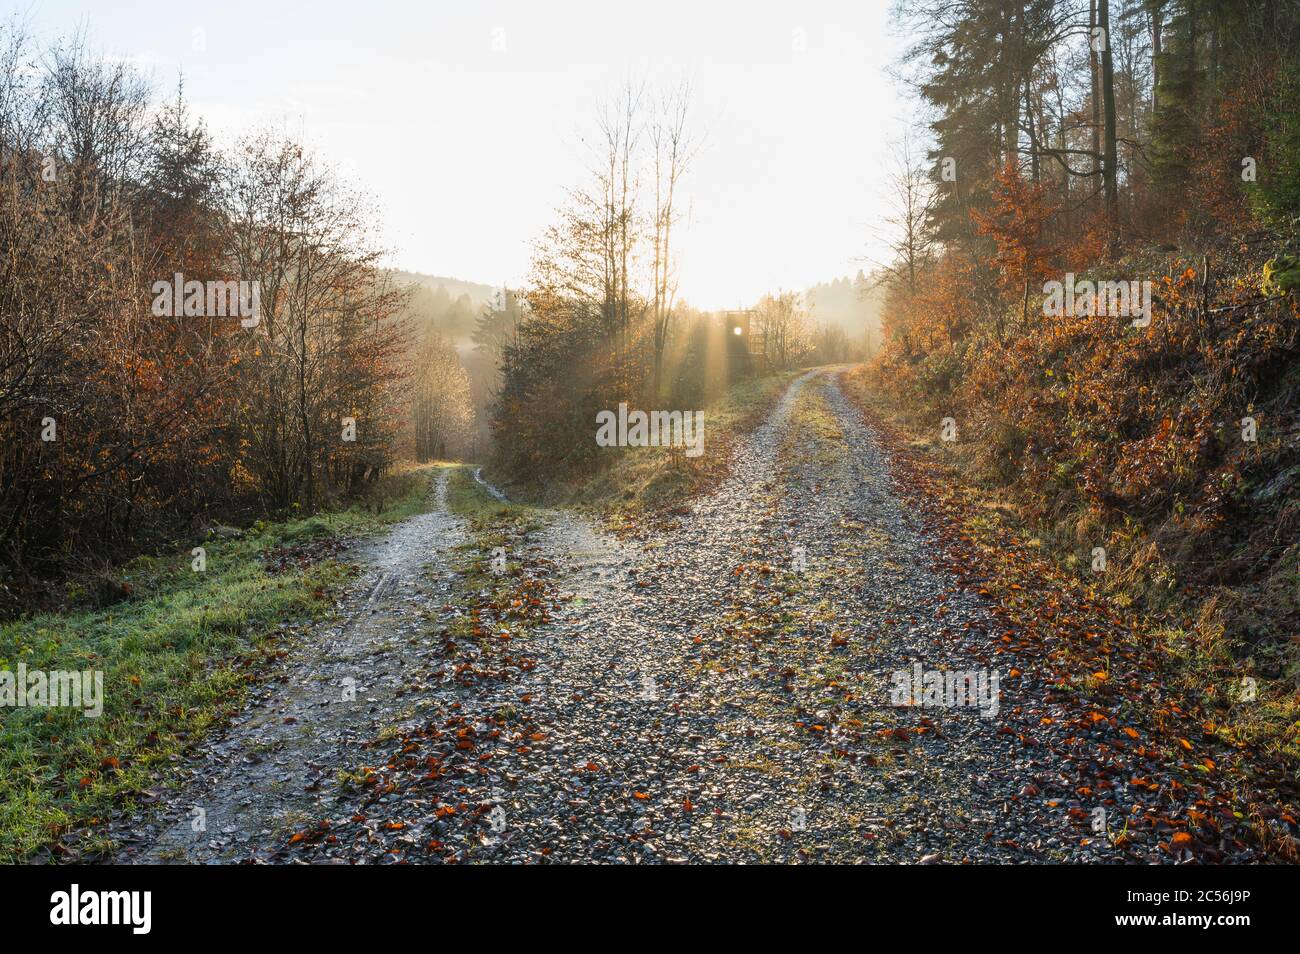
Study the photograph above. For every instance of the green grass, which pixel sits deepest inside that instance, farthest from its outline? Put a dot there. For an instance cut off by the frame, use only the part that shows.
(466, 497)
(500, 594)
(814, 434)
(647, 479)
(177, 659)
(492, 523)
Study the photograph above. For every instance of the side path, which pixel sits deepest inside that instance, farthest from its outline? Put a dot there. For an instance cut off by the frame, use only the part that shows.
(701, 695)
(339, 683)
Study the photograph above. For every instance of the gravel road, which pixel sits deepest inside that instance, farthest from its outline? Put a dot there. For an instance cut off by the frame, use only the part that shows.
(337, 685)
(721, 689)
(714, 693)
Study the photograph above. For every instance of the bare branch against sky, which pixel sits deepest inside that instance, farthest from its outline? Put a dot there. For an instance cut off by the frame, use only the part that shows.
(464, 119)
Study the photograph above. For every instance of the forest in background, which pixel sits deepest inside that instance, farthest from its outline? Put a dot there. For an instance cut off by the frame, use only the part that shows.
(473, 323)
(602, 322)
(1132, 140)
(122, 428)
(125, 429)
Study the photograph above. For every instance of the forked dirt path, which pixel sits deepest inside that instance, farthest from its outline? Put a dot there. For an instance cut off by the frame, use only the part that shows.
(722, 689)
(340, 683)
(706, 695)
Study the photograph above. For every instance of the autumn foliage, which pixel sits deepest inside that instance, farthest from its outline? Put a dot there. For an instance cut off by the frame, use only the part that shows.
(123, 428)
(1171, 445)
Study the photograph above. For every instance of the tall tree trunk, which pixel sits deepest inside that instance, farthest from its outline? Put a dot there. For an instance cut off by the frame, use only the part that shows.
(1032, 127)
(1010, 99)
(1094, 71)
(1157, 28)
(1110, 159)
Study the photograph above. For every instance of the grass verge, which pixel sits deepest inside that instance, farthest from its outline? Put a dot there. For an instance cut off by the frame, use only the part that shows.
(1185, 671)
(646, 482)
(493, 586)
(176, 659)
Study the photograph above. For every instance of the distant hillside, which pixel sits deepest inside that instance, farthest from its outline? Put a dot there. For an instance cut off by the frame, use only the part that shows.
(853, 304)
(448, 304)
(479, 294)
(451, 308)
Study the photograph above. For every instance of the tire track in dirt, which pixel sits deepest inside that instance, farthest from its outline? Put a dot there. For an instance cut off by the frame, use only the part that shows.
(694, 697)
(340, 682)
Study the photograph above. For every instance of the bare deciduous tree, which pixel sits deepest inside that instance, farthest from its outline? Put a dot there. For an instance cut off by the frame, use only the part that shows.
(673, 149)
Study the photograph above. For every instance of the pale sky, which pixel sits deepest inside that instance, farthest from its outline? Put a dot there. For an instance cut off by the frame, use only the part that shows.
(468, 150)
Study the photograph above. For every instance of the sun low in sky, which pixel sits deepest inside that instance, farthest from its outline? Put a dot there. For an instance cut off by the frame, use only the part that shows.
(465, 121)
